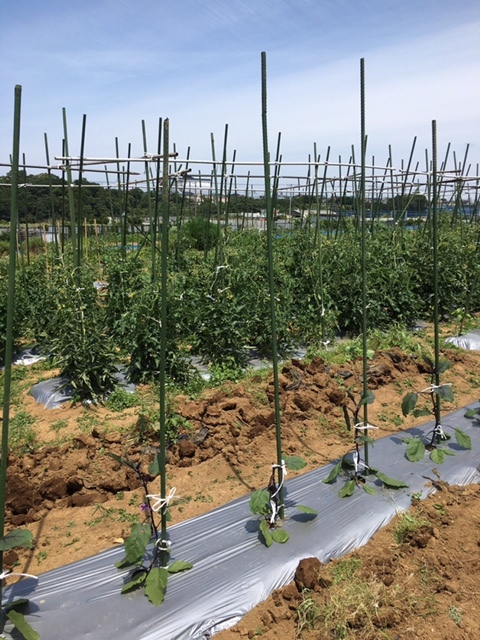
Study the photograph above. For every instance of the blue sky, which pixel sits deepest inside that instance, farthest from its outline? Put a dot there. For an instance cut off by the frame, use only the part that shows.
(198, 63)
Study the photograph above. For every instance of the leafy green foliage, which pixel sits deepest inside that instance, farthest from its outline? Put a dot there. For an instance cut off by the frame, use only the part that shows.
(155, 585)
(16, 538)
(19, 622)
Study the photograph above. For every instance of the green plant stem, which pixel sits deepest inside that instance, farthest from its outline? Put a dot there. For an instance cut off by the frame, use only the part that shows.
(268, 200)
(10, 312)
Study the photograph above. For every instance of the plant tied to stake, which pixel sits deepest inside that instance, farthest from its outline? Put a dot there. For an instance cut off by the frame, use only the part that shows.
(150, 570)
(267, 503)
(417, 446)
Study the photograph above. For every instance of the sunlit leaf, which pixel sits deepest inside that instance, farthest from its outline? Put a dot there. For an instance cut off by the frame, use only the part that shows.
(333, 473)
(18, 620)
(443, 365)
(365, 440)
(294, 463)
(391, 483)
(409, 402)
(437, 456)
(369, 398)
(368, 489)
(179, 565)
(445, 391)
(307, 510)
(463, 439)
(280, 535)
(259, 501)
(471, 413)
(347, 489)
(135, 582)
(265, 530)
(155, 585)
(154, 466)
(136, 544)
(16, 538)
(415, 450)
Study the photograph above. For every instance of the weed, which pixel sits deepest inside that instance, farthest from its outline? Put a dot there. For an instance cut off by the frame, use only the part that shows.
(59, 424)
(119, 400)
(22, 437)
(307, 612)
(455, 614)
(407, 525)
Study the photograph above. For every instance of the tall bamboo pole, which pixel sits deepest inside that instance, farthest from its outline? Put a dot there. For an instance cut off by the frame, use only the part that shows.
(268, 200)
(10, 312)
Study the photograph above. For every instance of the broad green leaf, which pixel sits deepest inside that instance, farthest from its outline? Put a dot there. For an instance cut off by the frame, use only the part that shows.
(437, 456)
(265, 531)
(259, 501)
(409, 402)
(429, 361)
(280, 535)
(415, 450)
(347, 489)
(418, 413)
(369, 398)
(154, 466)
(390, 482)
(449, 452)
(445, 391)
(135, 582)
(333, 473)
(294, 463)
(136, 544)
(471, 413)
(16, 538)
(179, 565)
(365, 440)
(307, 510)
(155, 585)
(368, 489)
(15, 604)
(443, 365)
(463, 439)
(18, 620)
(124, 563)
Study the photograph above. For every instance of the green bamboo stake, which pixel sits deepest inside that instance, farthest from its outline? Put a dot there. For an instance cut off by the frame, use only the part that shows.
(163, 339)
(10, 312)
(71, 203)
(125, 213)
(52, 200)
(80, 192)
(268, 200)
(153, 230)
(365, 393)
(435, 271)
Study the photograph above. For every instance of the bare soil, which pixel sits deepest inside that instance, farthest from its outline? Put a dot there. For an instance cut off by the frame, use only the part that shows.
(77, 501)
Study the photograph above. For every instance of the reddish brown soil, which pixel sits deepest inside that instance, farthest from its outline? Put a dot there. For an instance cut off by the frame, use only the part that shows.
(78, 501)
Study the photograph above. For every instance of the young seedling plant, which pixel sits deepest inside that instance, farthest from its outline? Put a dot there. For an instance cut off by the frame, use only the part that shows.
(436, 437)
(266, 503)
(11, 611)
(353, 466)
(149, 570)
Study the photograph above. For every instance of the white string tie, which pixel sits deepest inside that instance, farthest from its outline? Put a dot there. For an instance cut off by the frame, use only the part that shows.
(163, 545)
(432, 387)
(6, 573)
(284, 473)
(361, 426)
(357, 463)
(160, 502)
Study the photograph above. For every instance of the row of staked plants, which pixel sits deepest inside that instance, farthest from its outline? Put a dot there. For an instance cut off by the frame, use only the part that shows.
(105, 310)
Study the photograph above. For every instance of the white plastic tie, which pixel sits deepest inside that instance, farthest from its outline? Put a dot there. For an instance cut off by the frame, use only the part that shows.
(284, 473)
(6, 573)
(432, 387)
(357, 463)
(163, 545)
(159, 502)
(361, 426)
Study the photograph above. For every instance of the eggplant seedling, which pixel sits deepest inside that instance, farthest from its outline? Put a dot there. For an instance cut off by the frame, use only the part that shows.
(149, 571)
(433, 440)
(266, 503)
